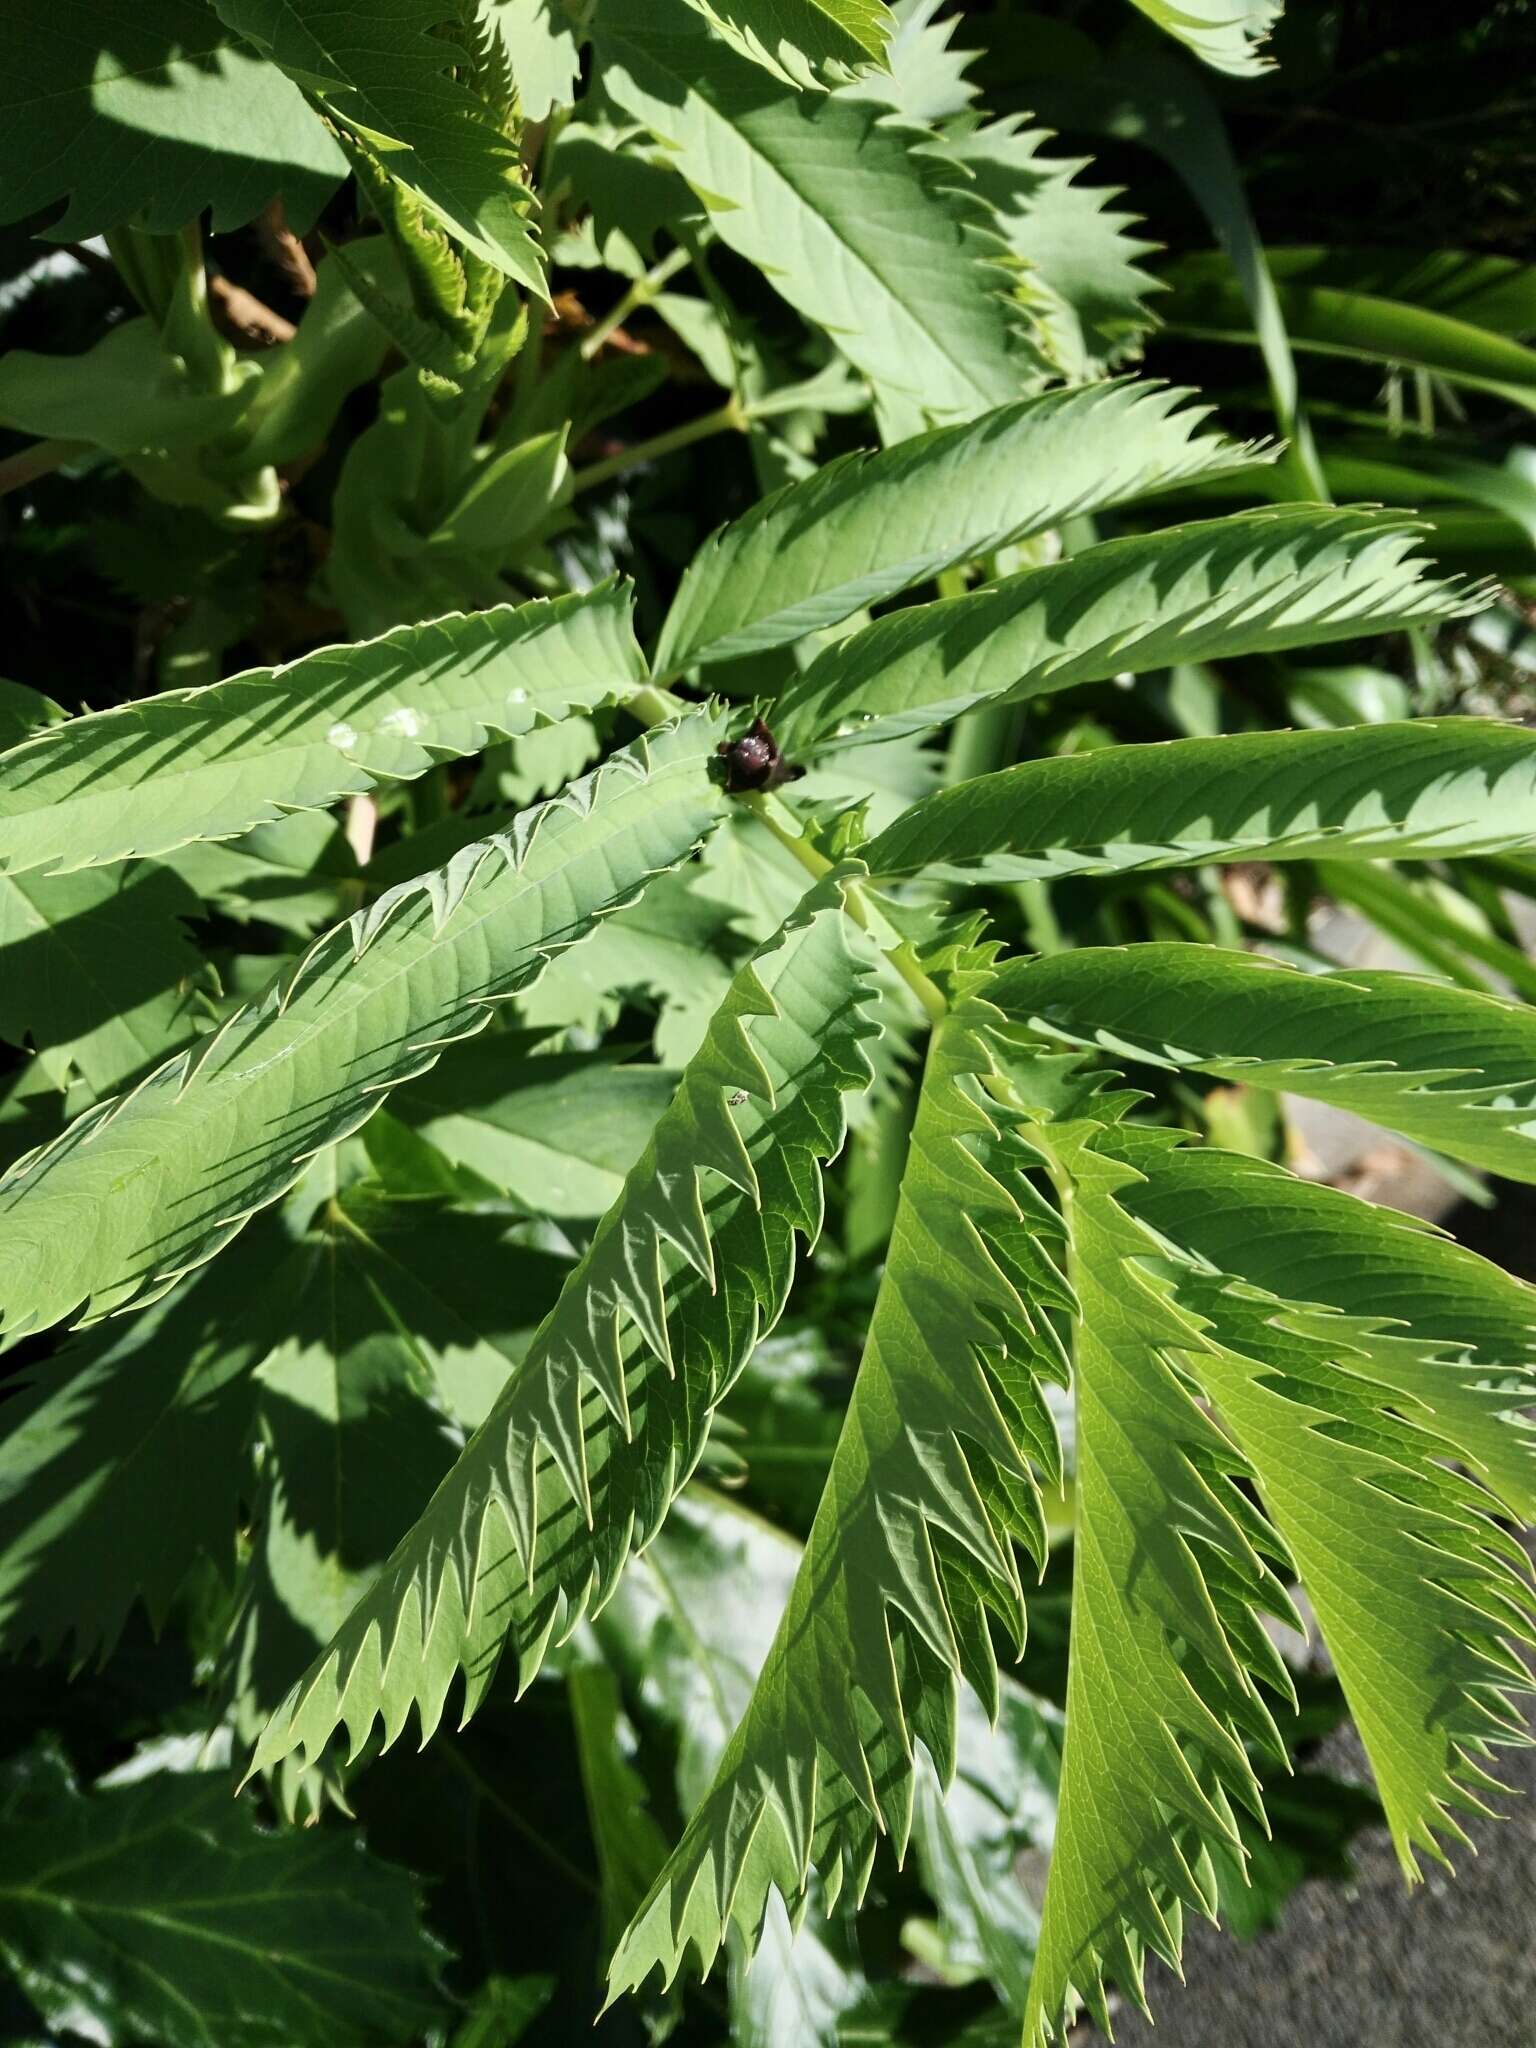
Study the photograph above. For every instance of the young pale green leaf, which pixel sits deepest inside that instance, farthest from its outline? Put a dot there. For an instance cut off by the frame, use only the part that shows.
(337, 348)
(1446, 1067)
(1088, 290)
(97, 972)
(1191, 1384)
(911, 1545)
(579, 1459)
(1429, 788)
(1227, 34)
(156, 1909)
(158, 772)
(139, 1190)
(856, 218)
(801, 40)
(866, 526)
(1248, 584)
(123, 1459)
(386, 79)
(151, 114)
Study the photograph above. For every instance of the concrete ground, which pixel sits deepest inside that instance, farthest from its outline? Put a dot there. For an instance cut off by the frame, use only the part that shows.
(1371, 1965)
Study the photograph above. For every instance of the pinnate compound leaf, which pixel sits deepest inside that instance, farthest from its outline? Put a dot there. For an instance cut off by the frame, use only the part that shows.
(912, 1543)
(866, 526)
(157, 1910)
(1191, 1384)
(158, 772)
(1447, 1067)
(384, 78)
(1248, 584)
(857, 219)
(582, 1454)
(139, 1190)
(1429, 788)
(1229, 35)
(151, 114)
(802, 40)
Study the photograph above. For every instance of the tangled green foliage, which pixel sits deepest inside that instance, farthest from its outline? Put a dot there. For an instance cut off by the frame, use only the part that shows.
(667, 831)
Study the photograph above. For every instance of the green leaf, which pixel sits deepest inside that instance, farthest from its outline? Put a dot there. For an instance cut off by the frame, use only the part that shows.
(630, 1846)
(1248, 584)
(387, 81)
(689, 1626)
(801, 40)
(969, 1838)
(581, 1456)
(1191, 1384)
(138, 1191)
(866, 526)
(673, 950)
(152, 114)
(380, 1349)
(857, 219)
(123, 1459)
(1495, 292)
(155, 1909)
(1429, 787)
(1142, 96)
(1083, 263)
(97, 972)
(1253, 1220)
(126, 394)
(24, 711)
(158, 772)
(292, 874)
(1445, 1067)
(1226, 34)
(556, 1133)
(1188, 1385)
(911, 1543)
(1204, 299)
(336, 349)
(924, 78)
(503, 2010)
(544, 51)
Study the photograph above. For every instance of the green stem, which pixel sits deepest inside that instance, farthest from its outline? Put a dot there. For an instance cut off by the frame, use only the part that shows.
(727, 418)
(651, 704)
(781, 821)
(640, 293)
